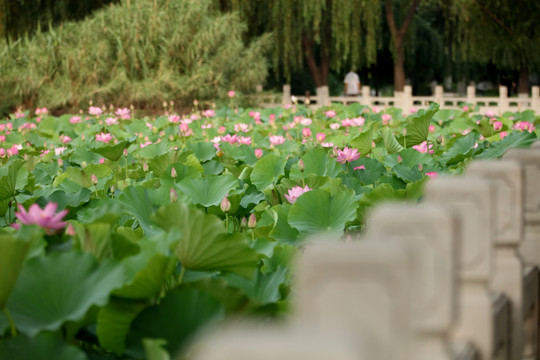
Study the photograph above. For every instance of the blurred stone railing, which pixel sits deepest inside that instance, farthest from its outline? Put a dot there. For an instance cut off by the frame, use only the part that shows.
(455, 277)
(407, 101)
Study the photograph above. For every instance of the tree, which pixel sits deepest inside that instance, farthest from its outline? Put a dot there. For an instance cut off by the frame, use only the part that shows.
(322, 34)
(398, 36)
(503, 32)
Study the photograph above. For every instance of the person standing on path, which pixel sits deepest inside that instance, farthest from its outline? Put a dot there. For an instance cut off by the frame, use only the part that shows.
(352, 84)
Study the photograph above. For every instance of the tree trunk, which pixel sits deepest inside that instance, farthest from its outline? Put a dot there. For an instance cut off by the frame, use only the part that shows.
(398, 36)
(523, 86)
(319, 73)
(399, 66)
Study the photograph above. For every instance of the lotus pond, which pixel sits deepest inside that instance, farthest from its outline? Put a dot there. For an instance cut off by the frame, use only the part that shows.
(122, 236)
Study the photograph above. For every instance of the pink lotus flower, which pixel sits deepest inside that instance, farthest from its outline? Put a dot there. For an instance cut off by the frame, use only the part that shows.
(244, 140)
(330, 113)
(465, 108)
(334, 126)
(94, 110)
(230, 139)
(432, 174)
(306, 132)
(209, 113)
(524, 125)
(295, 192)
(59, 150)
(258, 153)
(241, 127)
(42, 111)
(490, 113)
(320, 137)
(423, 147)
(359, 121)
(2, 138)
(347, 155)
(431, 128)
(174, 118)
(111, 121)
(327, 144)
(231, 93)
(104, 137)
(361, 167)
(347, 122)
(65, 139)
(497, 125)
(47, 218)
(276, 139)
(503, 134)
(305, 122)
(386, 118)
(413, 110)
(2, 152)
(75, 120)
(123, 113)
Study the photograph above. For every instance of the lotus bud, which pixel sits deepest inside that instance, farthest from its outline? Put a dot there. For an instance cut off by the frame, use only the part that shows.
(173, 195)
(225, 204)
(145, 167)
(113, 189)
(243, 222)
(399, 159)
(94, 179)
(301, 165)
(70, 230)
(404, 132)
(60, 162)
(173, 173)
(252, 221)
(125, 152)
(165, 104)
(83, 164)
(420, 167)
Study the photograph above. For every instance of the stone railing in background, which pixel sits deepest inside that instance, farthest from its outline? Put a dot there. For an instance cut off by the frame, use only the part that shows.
(455, 277)
(406, 101)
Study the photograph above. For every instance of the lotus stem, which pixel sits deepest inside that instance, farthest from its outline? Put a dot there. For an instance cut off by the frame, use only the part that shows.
(12, 327)
(181, 276)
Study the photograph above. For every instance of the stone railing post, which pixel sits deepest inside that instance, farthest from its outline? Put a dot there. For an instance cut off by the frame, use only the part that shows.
(286, 94)
(366, 96)
(407, 98)
(471, 201)
(439, 95)
(323, 96)
(471, 95)
(431, 233)
(506, 177)
(359, 289)
(503, 99)
(273, 342)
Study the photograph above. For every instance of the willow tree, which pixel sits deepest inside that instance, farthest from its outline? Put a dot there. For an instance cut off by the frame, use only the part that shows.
(503, 32)
(322, 34)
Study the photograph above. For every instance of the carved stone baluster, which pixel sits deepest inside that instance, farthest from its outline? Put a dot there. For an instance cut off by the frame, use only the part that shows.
(359, 289)
(471, 201)
(431, 233)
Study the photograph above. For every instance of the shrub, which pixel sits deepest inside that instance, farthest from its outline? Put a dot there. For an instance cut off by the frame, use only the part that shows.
(139, 52)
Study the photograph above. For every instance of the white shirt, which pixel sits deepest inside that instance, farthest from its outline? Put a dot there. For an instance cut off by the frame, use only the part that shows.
(353, 83)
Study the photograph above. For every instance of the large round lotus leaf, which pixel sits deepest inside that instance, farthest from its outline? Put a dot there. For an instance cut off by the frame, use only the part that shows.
(204, 243)
(61, 287)
(45, 346)
(267, 170)
(177, 317)
(13, 252)
(318, 211)
(210, 190)
(111, 152)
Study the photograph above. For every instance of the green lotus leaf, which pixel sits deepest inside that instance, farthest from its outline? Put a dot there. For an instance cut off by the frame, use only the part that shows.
(390, 143)
(407, 174)
(114, 321)
(318, 211)
(111, 152)
(45, 346)
(318, 162)
(282, 231)
(210, 190)
(13, 252)
(154, 150)
(264, 288)
(460, 150)
(204, 151)
(364, 141)
(136, 202)
(148, 269)
(204, 243)
(267, 171)
(59, 288)
(13, 177)
(153, 349)
(72, 200)
(176, 319)
(513, 140)
(417, 129)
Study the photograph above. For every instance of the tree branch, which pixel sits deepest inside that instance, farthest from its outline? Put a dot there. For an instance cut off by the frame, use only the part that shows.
(409, 17)
(390, 18)
(495, 18)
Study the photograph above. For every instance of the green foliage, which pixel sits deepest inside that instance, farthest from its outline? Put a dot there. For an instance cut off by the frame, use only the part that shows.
(138, 52)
